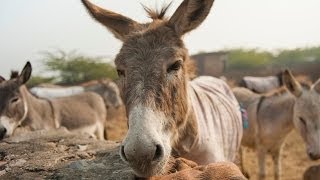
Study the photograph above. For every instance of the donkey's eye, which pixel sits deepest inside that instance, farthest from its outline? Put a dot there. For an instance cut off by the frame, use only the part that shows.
(15, 99)
(120, 72)
(175, 66)
(303, 121)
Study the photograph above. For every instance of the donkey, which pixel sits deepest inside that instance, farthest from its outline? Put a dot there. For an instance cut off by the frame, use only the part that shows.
(272, 116)
(82, 113)
(107, 89)
(167, 112)
(262, 84)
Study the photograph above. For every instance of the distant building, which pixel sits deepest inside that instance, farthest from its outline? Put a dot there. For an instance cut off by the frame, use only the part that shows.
(213, 64)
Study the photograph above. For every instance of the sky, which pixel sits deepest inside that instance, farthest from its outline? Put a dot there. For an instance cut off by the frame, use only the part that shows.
(28, 28)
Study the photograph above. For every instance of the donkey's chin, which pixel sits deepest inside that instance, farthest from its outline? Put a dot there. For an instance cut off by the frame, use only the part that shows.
(147, 169)
(150, 169)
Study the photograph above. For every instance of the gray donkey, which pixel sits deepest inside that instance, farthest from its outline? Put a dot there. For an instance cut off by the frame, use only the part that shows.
(272, 116)
(82, 113)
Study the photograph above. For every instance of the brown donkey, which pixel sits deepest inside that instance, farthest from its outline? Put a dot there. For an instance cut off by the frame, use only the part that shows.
(82, 113)
(167, 112)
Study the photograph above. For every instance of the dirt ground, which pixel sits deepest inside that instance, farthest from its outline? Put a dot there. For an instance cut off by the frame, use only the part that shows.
(294, 158)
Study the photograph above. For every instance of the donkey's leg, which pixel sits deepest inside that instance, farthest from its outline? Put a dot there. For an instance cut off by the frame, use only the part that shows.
(261, 159)
(100, 131)
(277, 164)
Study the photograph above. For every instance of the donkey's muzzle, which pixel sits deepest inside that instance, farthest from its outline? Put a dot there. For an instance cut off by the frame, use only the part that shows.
(151, 154)
(3, 132)
(142, 159)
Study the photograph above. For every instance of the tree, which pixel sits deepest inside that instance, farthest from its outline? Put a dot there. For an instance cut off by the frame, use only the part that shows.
(36, 80)
(74, 68)
(248, 59)
(298, 56)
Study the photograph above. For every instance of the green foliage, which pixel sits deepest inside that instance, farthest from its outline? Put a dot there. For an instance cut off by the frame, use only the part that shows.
(298, 56)
(247, 59)
(36, 80)
(250, 59)
(74, 68)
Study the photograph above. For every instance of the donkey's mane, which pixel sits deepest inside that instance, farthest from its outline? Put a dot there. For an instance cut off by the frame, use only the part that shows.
(276, 92)
(14, 74)
(156, 14)
(306, 85)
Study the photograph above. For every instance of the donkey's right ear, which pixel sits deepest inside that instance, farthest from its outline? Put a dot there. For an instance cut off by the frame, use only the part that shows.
(291, 83)
(316, 86)
(25, 74)
(119, 25)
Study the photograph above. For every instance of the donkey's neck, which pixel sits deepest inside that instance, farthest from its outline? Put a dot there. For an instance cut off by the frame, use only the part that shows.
(40, 113)
(188, 133)
(279, 109)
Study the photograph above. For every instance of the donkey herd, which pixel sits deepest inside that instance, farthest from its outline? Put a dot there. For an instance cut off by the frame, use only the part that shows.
(194, 124)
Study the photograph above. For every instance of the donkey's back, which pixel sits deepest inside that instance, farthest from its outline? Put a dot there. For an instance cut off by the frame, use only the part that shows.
(261, 84)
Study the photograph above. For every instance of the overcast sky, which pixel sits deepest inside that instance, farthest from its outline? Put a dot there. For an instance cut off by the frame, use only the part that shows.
(28, 27)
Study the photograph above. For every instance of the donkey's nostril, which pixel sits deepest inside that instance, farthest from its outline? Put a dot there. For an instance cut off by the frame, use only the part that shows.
(313, 156)
(123, 155)
(3, 132)
(158, 153)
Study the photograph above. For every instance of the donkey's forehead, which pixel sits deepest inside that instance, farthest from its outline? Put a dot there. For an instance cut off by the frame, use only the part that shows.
(309, 99)
(9, 86)
(159, 42)
(8, 89)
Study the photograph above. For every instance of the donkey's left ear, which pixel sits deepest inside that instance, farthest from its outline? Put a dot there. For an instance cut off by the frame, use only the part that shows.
(25, 74)
(189, 15)
(316, 86)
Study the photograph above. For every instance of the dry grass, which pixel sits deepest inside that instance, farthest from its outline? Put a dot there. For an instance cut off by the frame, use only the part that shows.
(294, 160)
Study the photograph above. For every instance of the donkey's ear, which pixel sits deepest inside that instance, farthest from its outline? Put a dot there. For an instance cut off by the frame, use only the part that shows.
(25, 74)
(2, 79)
(291, 83)
(316, 86)
(190, 14)
(119, 25)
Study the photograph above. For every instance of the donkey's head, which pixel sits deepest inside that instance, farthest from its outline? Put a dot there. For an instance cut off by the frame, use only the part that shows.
(13, 108)
(153, 67)
(306, 113)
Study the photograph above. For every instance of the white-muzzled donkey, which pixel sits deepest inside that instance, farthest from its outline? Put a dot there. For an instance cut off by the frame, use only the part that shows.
(82, 113)
(199, 119)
